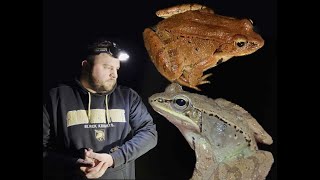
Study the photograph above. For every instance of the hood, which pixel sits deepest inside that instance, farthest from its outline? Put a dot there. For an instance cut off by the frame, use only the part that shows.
(85, 91)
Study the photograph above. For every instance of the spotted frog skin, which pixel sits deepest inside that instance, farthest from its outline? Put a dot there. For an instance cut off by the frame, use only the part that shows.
(223, 135)
(192, 39)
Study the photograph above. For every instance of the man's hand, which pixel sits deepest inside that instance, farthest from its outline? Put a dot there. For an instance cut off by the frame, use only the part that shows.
(101, 157)
(97, 171)
(101, 162)
(85, 162)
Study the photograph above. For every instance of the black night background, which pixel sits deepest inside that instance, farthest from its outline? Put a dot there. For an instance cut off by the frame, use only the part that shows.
(249, 81)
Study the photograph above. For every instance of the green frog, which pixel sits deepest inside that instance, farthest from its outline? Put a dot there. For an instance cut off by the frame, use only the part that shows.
(223, 135)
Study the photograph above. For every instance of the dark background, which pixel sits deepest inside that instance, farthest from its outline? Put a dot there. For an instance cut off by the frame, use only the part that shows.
(249, 81)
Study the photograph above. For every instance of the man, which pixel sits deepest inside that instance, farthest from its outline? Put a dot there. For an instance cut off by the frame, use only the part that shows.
(92, 127)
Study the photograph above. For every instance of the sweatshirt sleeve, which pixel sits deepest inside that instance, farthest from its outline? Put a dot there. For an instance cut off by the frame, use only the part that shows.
(53, 161)
(145, 136)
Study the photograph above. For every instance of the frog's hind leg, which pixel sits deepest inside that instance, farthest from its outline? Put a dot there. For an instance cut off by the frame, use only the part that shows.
(266, 160)
(161, 56)
(255, 167)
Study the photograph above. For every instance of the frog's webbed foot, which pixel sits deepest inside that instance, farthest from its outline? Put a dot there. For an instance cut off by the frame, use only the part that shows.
(256, 166)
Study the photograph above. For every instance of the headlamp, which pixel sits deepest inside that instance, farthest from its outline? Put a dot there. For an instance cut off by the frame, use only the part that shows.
(109, 48)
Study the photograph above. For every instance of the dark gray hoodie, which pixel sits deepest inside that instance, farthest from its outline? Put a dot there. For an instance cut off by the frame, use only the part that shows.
(75, 119)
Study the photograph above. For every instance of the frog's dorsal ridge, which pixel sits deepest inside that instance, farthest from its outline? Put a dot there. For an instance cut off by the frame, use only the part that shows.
(168, 12)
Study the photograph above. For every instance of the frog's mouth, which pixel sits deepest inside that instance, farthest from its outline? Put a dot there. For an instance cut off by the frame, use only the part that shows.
(180, 120)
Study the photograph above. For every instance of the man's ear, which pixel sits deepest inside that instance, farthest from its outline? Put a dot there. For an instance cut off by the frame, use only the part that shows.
(85, 66)
(84, 63)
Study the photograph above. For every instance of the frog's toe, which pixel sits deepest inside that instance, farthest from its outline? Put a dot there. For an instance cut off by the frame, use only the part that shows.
(203, 79)
(204, 82)
(206, 76)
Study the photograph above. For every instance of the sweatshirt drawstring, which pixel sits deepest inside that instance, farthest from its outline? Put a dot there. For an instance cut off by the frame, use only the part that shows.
(89, 113)
(107, 108)
(107, 111)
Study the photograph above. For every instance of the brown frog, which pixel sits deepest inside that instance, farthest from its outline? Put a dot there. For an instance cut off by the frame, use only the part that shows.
(223, 135)
(192, 39)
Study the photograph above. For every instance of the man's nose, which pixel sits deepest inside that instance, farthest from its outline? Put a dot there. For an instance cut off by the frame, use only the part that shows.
(114, 74)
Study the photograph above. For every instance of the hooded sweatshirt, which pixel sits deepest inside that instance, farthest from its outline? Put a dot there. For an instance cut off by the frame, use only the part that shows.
(116, 123)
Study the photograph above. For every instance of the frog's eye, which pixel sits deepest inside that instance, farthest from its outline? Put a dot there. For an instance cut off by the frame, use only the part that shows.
(180, 103)
(241, 43)
(240, 40)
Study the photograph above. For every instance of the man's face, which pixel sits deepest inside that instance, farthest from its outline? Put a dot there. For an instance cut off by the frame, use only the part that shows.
(103, 75)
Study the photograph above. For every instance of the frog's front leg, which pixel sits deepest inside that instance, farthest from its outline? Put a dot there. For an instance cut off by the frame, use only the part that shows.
(205, 163)
(185, 79)
(161, 57)
(193, 77)
(196, 76)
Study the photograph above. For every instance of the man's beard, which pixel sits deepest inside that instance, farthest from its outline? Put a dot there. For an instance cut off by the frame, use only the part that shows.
(101, 86)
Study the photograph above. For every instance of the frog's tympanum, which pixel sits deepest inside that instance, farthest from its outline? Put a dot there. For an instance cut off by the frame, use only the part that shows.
(192, 39)
(223, 135)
